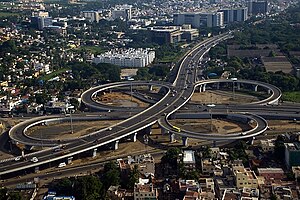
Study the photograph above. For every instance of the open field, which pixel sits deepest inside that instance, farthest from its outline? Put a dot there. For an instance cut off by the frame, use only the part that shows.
(208, 126)
(63, 130)
(121, 100)
(222, 97)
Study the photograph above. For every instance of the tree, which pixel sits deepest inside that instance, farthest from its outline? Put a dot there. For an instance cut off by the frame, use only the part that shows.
(3, 194)
(133, 177)
(171, 156)
(111, 175)
(279, 148)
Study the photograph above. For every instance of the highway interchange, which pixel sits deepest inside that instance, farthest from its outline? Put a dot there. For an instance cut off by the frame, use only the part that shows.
(176, 95)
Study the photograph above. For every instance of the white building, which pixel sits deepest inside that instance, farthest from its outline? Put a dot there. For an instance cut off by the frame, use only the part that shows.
(122, 12)
(197, 19)
(92, 16)
(127, 58)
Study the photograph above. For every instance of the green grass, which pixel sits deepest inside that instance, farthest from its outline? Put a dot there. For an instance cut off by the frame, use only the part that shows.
(7, 14)
(291, 96)
(53, 74)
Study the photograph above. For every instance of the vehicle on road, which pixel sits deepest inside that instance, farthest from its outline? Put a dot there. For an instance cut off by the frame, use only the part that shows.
(63, 164)
(177, 129)
(34, 159)
(18, 158)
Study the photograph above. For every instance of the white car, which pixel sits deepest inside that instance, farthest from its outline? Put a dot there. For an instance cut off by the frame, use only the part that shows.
(34, 159)
(18, 158)
(63, 164)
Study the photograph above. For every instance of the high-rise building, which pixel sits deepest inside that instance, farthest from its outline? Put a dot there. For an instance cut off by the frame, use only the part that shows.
(214, 19)
(122, 12)
(258, 7)
(235, 15)
(92, 16)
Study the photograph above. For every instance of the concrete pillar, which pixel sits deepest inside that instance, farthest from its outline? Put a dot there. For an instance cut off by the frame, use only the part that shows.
(172, 137)
(238, 86)
(150, 87)
(185, 141)
(200, 88)
(255, 88)
(94, 153)
(163, 131)
(37, 169)
(204, 88)
(134, 136)
(116, 145)
(214, 143)
(69, 161)
(269, 91)
(148, 130)
(218, 86)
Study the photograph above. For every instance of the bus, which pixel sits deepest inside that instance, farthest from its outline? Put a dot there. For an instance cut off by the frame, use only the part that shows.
(176, 129)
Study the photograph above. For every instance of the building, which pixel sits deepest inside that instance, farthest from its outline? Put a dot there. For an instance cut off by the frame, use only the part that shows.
(41, 22)
(127, 57)
(188, 160)
(258, 7)
(296, 171)
(91, 16)
(235, 15)
(292, 154)
(271, 173)
(267, 145)
(145, 192)
(245, 177)
(122, 12)
(172, 34)
(197, 20)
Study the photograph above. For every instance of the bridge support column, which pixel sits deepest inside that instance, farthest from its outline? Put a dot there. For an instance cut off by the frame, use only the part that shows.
(116, 145)
(69, 161)
(214, 143)
(36, 169)
(148, 130)
(150, 87)
(163, 131)
(172, 137)
(255, 88)
(269, 91)
(238, 85)
(133, 136)
(204, 88)
(94, 153)
(200, 88)
(185, 141)
(218, 86)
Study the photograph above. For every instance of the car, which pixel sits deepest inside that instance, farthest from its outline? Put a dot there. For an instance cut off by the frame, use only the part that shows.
(34, 159)
(110, 128)
(63, 164)
(18, 158)
(57, 149)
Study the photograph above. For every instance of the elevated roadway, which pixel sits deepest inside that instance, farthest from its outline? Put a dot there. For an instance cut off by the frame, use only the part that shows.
(176, 95)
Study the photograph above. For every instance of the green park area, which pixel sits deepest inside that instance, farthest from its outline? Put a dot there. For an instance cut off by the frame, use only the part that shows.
(7, 14)
(292, 96)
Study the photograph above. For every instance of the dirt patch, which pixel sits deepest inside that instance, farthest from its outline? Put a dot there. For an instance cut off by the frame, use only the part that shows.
(121, 100)
(283, 125)
(206, 126)
(218, 97)
(63, 130)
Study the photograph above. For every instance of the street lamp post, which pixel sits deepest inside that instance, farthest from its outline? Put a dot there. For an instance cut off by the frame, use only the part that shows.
(210, 113)
(71, 119)
(233, 86)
